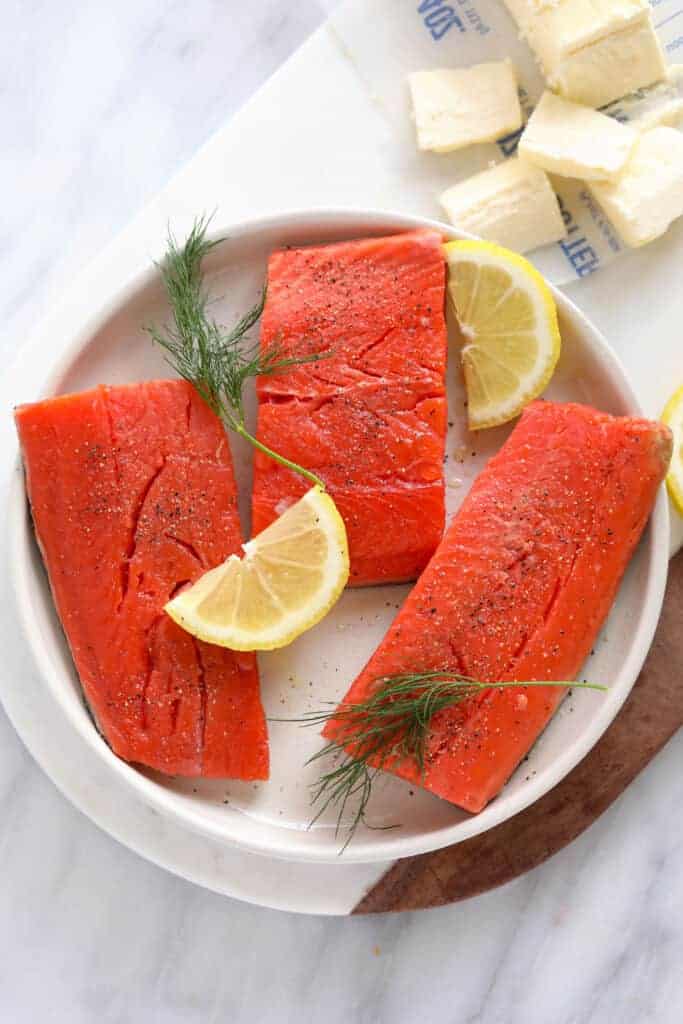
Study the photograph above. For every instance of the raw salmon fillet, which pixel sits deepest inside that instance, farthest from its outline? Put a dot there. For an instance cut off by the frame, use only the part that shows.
(370, 419)
(133, 495)
(520, 586)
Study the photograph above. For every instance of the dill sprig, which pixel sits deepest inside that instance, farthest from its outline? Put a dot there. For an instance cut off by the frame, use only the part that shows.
(389, 728)
(215, 360)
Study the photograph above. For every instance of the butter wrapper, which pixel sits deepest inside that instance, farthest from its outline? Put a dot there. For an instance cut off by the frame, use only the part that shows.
(386, 40)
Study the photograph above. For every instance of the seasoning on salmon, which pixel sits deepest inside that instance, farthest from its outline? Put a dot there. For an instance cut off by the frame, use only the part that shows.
(370, 419)
(519, 588)
(133, 496)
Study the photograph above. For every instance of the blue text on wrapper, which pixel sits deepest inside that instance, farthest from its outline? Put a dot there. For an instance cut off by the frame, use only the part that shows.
(439, 18)
(579, 252)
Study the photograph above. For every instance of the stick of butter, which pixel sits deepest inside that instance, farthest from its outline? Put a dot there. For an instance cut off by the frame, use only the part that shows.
(648, 195)
(462, 106)
(575, 141)
(592, 51)
(512, 204)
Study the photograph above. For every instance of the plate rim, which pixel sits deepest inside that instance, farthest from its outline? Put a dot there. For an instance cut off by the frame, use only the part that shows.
(165, 802)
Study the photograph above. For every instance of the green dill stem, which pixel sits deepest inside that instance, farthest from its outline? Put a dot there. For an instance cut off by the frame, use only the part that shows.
(208, 356)
(391, 726)
(306, 473)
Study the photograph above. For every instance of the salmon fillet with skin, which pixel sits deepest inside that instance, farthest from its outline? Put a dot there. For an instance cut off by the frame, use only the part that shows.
(520, 587)
(133, 496)
(370, 418)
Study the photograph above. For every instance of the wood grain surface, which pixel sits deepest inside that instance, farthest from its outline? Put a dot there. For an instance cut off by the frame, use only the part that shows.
(650, 716)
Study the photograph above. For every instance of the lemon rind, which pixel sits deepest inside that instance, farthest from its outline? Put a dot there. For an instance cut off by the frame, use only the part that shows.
(672, 416)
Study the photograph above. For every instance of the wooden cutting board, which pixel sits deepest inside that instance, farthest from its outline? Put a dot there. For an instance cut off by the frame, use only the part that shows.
(650, 717)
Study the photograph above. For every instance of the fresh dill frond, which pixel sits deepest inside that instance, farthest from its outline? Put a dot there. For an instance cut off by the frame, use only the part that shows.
(390, 728)
(215, 360)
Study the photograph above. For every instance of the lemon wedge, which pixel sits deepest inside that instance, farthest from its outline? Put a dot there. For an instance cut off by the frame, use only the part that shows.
(288, 579)
(673, 417)
(508, 320)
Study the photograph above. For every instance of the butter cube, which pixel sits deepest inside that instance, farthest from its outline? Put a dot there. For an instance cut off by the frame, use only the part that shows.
(592, 51)
(512, 203)
(463, 106)
(648, 195)
(576, 141)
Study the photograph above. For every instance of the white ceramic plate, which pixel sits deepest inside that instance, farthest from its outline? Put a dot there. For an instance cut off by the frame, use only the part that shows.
(272, 818)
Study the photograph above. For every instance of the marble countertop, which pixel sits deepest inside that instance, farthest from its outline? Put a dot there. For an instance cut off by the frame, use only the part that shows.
(102, 103)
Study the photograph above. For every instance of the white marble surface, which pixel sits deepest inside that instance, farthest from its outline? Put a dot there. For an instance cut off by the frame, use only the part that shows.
(102, 104)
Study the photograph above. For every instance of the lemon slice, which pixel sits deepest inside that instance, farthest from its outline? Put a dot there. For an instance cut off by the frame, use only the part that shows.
(508, 320)
(289, 578)
(673, 417)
